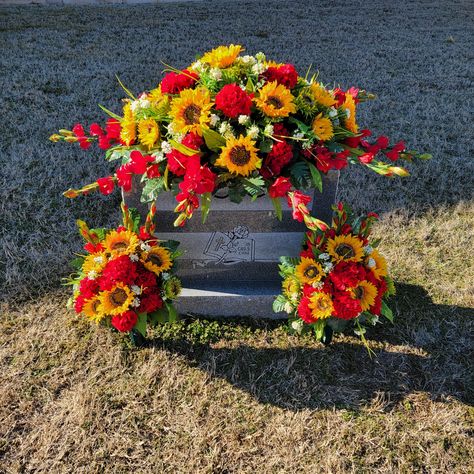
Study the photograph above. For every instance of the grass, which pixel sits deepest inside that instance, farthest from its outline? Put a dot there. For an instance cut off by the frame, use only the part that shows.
(238, 396)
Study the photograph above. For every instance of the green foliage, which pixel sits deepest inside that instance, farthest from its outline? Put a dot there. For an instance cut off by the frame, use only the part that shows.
(277, 205)
(279, 304)
(205, 206)
(316, 177)
(182, 148)
(254, 186)
(387, 312)
(136, 219)
(152, 189)
(214, 141)
(301, 175)
(140, 325)
(77, 263)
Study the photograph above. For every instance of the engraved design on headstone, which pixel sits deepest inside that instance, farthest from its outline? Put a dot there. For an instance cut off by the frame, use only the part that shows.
(228, 248)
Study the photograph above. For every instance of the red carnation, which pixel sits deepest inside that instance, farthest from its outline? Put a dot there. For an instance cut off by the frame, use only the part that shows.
(279, 188)
(79, 303)
(124, 322)
(279, 156)
(88, 288)
(145, 278)
(120, 269)
(304, 311)
(150, 302)
(174, 83)
(106, 185)
(285, 74)
(193, 140)
(280, 131)
(233, 101)
(346, 275)
(345, 307)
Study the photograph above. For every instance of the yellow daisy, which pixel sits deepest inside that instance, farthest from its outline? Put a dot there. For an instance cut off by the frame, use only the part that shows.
(94, 263)
(148, 132)
(128, 132)
(275, 100)
(120, 243)
(345, 247)
(157, 260)
(322, 128)
(309, 271)
(366, 293)
(116, 301)
(190, 110)
(350, 122)
(321, 305)
(92, 309)
(377, 264)
(239, 156)
(222, 56)
(322, 95)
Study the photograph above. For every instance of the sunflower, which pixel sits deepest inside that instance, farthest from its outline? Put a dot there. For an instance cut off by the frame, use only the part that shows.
(157, 260)
(309, 271)
(366, 293)
(190, 111)
(128, 127)
(322, 128)
(172, 288)
(239, 156)
(345, 247)
(94, 263)
(321, 95)
(350, 122)
(116, 301)
(155, 96)
(290, 286)
(92, 309)
(222, 56)
(321, 305)
(148, 132)
(377, 264)
(275, 100)
(120, 243)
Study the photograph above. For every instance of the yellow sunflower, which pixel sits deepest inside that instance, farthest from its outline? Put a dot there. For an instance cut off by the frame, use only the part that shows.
(275, 100)
(377, 264)
(309, 271)
(366, 293)
(322, 128)
(155, 96)
(120, 243)
(116, 301)
(128, 132)
(157, 260)
(345, 247)
(92, 309)
(190, 110)
(350, 122)
(273, 64)
(239, 156)
(148, 132)
(290, 286)
(322, 95)
(321, 305)
(94, 263)
(222, 56)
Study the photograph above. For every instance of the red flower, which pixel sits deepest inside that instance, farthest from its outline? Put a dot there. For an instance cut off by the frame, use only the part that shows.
(120, 269)
(346, 275)
(138, 162)
(106, 185)
(279, 156)
(304, 311)
(91, 248)
(279, 188)
(193, 140)
(285, 75)
(178, 162)
(124, 322)
(345, 307)
(366, 158)
(113, 129)
(150, 302)
(145, 278)
(198, 179)
(280, 131)
(79, 304)
(96, 130)
(174, 83)
(88, 288)
(326, 160)
(233, 101)
(153, 171)
(296, 199)
(124, 177)
(78, 130)
(355, 141)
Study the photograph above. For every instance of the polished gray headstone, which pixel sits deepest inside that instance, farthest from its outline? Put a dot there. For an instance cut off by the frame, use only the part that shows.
(230, 264)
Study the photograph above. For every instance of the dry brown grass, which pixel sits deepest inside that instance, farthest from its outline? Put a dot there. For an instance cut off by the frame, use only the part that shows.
(239, 397)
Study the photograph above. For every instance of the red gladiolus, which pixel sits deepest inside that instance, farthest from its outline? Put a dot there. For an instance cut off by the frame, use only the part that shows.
(279, 188)
(153, 171)
(106, 185)
(113, 129)
(124, 177)
(295, 199)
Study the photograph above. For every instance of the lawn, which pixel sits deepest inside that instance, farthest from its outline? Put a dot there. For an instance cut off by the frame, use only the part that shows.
(240, 396)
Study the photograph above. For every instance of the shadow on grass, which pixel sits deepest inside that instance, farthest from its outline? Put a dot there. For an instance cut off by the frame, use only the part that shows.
(429, 350)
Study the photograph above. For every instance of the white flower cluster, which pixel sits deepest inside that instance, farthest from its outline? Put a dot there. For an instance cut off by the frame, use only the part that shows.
(214, 119)
(145, 247)
(134, 257)
(226, 130)
(140, 104)
(253, 131)
(215, 73)
(166, 147)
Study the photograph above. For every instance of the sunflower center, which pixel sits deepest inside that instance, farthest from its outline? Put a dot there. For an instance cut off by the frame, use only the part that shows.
(345, 251)
(118, 297)
(359, 292)
(119, 245)
(239, 155)
(95, 305)
(311, 272)
(191, 114)
(323, 304)
(156, 260)
(275, 101)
